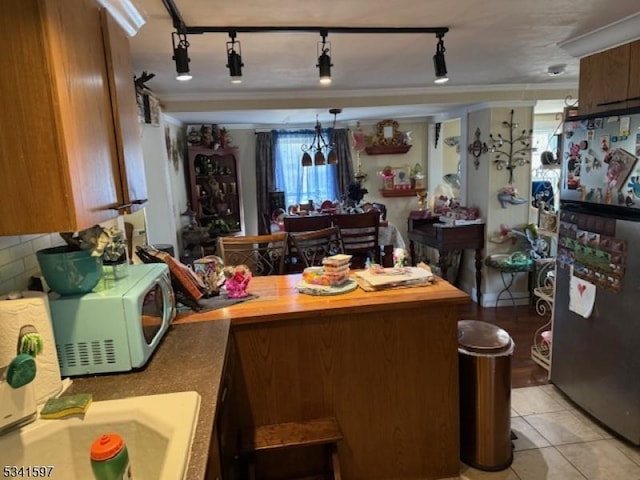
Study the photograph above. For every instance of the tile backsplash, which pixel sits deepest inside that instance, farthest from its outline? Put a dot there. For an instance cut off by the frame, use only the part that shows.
(18, 259)
(18, 256)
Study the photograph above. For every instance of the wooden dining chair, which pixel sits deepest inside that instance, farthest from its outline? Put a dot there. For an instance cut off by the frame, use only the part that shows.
(359, 234)
(311, 247)
(263, 254)
(306, 223)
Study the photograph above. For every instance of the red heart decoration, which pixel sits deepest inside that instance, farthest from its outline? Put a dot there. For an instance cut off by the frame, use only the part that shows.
(581, 288)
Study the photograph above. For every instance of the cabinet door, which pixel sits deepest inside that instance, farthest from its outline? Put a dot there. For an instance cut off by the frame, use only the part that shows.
(604, 80)
(56, 127)
(132, 185)
(634, 75)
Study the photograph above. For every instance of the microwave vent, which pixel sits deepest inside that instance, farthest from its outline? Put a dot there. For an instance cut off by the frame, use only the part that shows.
(85, 354)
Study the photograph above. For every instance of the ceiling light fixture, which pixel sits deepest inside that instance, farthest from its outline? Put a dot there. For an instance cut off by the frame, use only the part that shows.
(556, 70)
(319, 146)
(324, 48)
(324, 59)
(234, 59)
(439, 63)
(181, 55)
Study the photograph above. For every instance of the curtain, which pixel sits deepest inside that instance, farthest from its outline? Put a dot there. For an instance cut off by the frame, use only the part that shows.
(265, 175)
(344, 168)
(301, 184)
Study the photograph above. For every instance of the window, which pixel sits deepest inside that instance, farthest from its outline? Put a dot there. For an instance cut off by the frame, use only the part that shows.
(301, 184)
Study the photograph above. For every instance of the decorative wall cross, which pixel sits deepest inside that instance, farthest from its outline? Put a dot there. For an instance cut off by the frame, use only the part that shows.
(477, 148)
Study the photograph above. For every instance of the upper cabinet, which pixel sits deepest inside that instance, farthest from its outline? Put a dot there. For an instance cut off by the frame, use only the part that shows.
(125, 115)
(610, 80)
(66, 162)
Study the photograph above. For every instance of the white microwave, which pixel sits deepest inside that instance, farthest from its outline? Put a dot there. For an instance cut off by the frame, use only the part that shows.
(117, 326)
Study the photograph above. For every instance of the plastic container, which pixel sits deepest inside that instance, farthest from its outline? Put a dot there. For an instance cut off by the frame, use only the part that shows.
(110, 458)
(69, 272)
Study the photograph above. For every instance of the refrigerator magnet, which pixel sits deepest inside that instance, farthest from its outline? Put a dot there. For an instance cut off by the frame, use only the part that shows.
(604, 143)
(625, 123)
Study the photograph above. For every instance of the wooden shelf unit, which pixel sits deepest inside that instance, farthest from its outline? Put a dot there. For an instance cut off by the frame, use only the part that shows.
(209, 169)
(387, 149)
(401, 192)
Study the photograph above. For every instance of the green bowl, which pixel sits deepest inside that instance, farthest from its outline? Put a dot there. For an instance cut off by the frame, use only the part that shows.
(69, 272)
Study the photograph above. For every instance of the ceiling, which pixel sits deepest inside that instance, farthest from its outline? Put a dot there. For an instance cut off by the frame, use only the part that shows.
(495, 51)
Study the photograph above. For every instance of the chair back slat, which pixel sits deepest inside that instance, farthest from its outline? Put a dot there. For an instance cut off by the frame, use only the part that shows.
(359, 234)
(263, 254)
(306, 223)
(311, 247)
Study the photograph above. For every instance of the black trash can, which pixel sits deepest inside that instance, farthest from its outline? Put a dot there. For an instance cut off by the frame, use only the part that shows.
(484, 355)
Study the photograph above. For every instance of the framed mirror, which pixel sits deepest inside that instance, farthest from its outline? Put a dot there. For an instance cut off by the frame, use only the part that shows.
(387, 133)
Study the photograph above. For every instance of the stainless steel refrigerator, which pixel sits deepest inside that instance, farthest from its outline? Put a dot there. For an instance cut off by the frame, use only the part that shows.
(596, 324)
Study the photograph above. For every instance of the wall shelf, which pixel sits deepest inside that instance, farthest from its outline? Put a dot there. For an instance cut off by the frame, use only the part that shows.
(401, 192)
(387, 149)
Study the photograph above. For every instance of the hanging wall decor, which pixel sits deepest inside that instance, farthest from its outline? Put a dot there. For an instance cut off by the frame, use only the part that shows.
(477, 148)
(511, 151)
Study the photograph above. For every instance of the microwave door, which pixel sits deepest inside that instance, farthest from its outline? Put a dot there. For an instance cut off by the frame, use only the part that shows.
(158, 310)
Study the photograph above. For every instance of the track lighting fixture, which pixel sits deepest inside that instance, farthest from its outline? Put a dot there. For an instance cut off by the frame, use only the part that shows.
(324, 59)
(234, 59)
(234, 56)
(181, 55)
(439, 63)
(319, 146)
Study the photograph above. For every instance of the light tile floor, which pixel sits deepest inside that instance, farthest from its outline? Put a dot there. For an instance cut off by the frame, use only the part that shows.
(556, 441)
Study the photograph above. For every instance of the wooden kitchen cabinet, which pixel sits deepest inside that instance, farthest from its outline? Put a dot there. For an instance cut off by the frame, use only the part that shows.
(133, 187)
(59, 153)
(610, 80)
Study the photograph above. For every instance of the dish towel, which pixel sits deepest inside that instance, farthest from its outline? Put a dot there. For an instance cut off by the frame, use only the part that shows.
(582, 296)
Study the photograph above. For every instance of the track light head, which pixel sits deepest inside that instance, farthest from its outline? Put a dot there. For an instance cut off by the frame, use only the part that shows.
(439, 63)
(234, 59)
(324, 59)
(181, 56)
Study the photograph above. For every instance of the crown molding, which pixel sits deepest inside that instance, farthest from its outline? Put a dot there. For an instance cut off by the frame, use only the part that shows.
(382, 92)
(613, 35)
(125, 14)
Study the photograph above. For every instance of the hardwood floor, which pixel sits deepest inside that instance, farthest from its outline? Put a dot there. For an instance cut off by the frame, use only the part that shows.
(521, 323)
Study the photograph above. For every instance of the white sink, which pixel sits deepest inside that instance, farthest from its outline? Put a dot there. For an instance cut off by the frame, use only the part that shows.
(157, 429)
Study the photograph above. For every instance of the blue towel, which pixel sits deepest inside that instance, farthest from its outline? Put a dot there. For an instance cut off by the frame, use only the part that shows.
(541, 190)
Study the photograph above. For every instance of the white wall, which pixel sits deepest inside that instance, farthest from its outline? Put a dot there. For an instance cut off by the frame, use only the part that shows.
(483, 185)
(398, 208)
(162, 208)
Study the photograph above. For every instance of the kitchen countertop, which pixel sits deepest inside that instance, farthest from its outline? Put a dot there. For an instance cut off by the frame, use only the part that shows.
(191, 357)
(278, 299)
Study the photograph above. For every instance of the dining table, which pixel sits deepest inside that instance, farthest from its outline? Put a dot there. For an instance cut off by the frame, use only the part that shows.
(383, 363)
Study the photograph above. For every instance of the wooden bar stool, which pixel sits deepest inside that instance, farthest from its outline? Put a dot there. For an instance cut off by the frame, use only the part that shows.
(282, 436)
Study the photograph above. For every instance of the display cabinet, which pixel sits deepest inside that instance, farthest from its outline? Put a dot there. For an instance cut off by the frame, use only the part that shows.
(214, 189)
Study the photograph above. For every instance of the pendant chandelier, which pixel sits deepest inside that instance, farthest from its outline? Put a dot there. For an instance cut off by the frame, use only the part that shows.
(320, 152)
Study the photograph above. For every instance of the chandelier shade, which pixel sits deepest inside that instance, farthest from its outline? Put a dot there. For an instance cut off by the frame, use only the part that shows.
(323, 151)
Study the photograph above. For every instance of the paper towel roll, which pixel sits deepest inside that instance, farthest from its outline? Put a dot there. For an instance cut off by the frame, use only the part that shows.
(32, 309)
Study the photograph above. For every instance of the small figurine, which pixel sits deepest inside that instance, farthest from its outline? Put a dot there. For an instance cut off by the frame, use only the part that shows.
(399, 258)
(237, 280)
